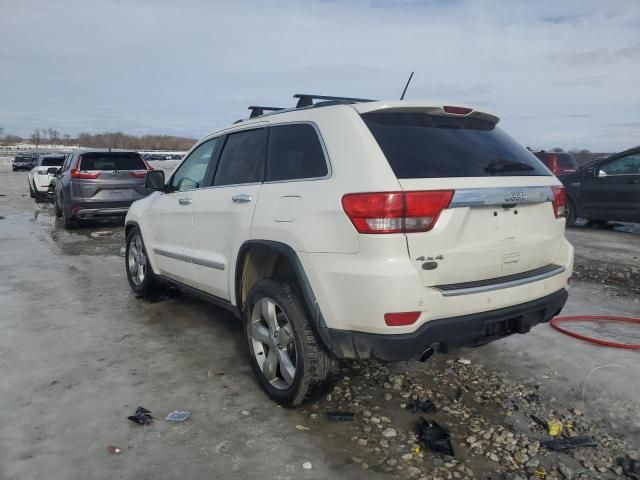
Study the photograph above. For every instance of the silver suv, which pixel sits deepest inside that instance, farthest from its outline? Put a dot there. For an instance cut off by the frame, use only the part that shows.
(99, 183)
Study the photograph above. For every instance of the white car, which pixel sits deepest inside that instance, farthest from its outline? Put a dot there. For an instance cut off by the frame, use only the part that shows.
(349, 229)
(41, 176)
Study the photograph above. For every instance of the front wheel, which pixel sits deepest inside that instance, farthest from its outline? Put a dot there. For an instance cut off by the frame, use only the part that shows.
(139, 272)
(290, 364)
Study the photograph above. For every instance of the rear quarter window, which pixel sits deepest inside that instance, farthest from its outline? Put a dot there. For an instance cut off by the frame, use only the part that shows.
(294, 152)
(419, 145)
(111, 161)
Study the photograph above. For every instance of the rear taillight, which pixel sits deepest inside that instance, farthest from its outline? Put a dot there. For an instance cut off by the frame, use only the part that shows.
(139, 173)
(559, 202)
(401, 319)
(457, 110)
(81, 174)
(395, 212)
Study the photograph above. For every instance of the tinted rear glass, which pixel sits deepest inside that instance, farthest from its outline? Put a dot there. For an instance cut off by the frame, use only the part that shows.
(52, 161)
(111, 161)
(294, 152)
(566, 160)
(418, 145)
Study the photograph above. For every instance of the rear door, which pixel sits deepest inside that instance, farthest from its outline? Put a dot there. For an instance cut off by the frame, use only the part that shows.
(170, 215)
(613, 191)
(500, 220)
(111, 176)
(222, 212)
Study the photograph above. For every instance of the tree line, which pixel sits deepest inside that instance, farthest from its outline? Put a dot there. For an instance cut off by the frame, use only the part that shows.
(52, 136)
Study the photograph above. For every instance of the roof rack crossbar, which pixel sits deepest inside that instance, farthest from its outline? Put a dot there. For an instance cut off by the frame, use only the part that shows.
(306, 100)
(257, 110)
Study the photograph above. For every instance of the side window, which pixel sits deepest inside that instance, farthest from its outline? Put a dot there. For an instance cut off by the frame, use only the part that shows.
(242, 159)
(191, 173)
(629, 165)
(67, 162)
(294, 152)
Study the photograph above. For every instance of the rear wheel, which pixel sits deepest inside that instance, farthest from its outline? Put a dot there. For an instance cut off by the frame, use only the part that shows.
(139, 272)
(57, 207)
(290, 364)
(69, 222)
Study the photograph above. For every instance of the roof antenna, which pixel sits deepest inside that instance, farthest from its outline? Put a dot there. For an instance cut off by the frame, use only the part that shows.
(406, 86)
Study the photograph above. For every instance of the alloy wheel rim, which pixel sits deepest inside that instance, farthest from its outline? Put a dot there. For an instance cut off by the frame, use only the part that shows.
(273, 344)
(137, 260)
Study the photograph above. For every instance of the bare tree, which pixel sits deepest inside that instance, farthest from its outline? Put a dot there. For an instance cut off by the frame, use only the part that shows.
(35, 138)
(66, 139)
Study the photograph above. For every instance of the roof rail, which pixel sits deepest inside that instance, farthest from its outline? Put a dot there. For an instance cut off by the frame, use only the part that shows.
(256, 111)
(306, 100)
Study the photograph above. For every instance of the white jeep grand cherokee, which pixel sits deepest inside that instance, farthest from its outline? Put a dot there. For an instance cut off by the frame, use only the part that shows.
(352, 229)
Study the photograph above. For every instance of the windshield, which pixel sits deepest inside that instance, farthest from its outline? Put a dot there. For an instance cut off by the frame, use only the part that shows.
(418, 145)
(112, 161)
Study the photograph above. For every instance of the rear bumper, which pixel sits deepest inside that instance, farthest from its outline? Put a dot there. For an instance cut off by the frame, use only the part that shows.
(444, 334)
(101, 210)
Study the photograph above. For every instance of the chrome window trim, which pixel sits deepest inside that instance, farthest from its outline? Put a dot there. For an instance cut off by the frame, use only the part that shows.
(484, 197)
(501, 285)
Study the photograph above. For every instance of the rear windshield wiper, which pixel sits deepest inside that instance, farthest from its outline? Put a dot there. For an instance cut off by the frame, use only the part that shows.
(500, 165)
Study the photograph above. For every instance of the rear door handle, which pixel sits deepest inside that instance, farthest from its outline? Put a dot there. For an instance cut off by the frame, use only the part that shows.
(242, 198)
(184, 201)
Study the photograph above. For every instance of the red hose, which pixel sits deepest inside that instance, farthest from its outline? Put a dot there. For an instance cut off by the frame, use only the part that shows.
(577, 318)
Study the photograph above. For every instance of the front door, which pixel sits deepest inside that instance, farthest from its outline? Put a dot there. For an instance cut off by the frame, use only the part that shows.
(223, 212)
(170, 215)
(613, 191)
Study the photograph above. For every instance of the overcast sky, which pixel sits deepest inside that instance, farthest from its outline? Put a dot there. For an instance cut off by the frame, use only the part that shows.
(558, 73)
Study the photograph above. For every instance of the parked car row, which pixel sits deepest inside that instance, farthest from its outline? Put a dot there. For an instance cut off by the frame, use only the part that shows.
(161, 156)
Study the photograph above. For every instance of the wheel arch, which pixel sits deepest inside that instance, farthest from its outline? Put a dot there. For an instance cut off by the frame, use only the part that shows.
(128, 226)
(259, 259)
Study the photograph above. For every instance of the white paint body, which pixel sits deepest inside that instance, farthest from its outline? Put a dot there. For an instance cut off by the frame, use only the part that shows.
(357, 278)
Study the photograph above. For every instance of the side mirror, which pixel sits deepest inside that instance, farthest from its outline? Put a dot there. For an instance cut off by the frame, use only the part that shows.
(154, 180)
(52, 170)
(593, 171)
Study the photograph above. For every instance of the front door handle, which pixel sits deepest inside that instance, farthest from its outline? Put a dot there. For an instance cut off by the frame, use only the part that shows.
(242, 198)
(184, 201)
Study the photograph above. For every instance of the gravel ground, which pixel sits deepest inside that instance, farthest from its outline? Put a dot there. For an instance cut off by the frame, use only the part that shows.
(79, 353)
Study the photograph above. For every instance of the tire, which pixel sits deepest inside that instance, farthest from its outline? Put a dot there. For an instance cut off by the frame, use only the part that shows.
(31, 194)
(571, 213)
(287, 335)
(57, 207)
(140, 275)
(39, 197)
(69, 222)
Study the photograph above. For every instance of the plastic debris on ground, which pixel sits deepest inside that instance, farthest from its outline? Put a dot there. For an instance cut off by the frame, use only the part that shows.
(434, 437)
(178, 416)
(340, 416)
(113, 450)
(418, 406)
(302, 428)
(307, 465)
(464, 361)
(103, 233)
(630, 467)
(554, 427)
(141, 417)
(564, 444)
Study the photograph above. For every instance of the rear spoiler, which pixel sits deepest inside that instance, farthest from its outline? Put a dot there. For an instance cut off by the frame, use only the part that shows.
(422, 107)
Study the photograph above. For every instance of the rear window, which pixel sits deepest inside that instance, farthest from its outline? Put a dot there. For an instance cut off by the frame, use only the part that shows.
(52, 161)
(112, 161)
(419, 145)
(566, 160)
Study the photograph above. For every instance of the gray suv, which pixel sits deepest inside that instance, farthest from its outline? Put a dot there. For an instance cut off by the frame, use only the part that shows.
(99, 183)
